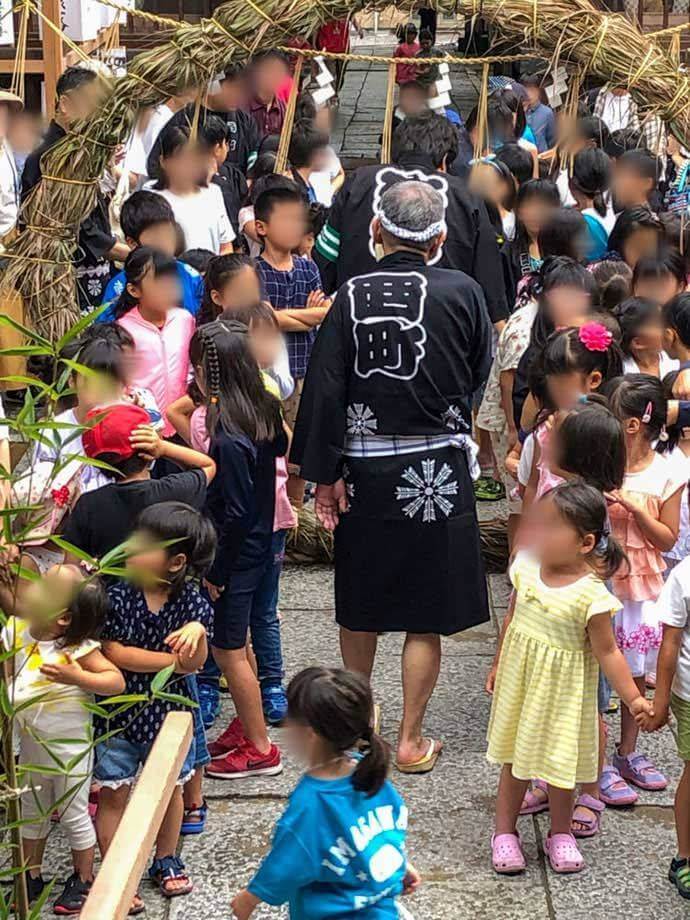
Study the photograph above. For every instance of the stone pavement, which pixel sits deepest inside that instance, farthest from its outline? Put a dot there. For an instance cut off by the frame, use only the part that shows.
(363, 97)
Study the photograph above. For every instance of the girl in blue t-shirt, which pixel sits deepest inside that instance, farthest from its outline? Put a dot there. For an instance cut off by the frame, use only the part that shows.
(340, 845)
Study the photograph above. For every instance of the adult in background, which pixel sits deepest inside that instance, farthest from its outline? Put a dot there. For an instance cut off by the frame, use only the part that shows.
(334, 36)
(383, 431)
(423, 147)
(227, 102)
(79, 93)
(618, 110)
(267, 71)
(538, 113)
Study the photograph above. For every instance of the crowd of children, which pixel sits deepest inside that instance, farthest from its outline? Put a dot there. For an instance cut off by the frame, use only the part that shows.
(174, 442)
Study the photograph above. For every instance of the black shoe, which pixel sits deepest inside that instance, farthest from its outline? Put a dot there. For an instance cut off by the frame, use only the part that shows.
(73, 896)
(34, 886)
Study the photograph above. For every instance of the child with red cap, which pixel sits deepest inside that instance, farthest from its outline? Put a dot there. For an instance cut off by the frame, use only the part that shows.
(123, 437)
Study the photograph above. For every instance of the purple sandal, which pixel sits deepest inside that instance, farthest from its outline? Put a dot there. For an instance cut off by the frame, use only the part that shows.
(533, 804)
(614, 790)
(640, 771)
(507, 857)
(563, 853)
(591, 825)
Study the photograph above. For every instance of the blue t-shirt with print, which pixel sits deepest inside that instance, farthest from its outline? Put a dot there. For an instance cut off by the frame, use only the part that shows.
(335, 852)
(191, 282)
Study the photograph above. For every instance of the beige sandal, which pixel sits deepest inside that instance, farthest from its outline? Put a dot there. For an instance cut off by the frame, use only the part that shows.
(425, 764)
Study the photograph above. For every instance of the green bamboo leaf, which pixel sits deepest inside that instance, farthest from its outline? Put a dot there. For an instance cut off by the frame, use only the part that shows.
(78, 368)
(125, 698)
(73, 550)
(175, 698)
(30, 334)
(21, 572)
(96, 710)
(40, 768)
(25, 350)
(5, 701)
(161, 678)
(79, 327)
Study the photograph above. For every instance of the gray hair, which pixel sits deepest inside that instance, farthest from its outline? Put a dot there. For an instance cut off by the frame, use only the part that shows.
(412, 212)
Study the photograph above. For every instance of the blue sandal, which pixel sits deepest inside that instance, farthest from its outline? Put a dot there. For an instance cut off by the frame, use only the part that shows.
(194, 820)
(170, 869)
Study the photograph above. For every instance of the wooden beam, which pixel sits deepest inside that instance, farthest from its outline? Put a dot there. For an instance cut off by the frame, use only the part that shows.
(31, 65)
(52, 53)
(117, 881)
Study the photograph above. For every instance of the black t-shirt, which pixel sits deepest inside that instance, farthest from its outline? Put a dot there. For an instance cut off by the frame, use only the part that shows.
(104, 518)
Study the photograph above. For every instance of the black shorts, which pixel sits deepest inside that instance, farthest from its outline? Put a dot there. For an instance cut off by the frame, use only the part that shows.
(233, 608)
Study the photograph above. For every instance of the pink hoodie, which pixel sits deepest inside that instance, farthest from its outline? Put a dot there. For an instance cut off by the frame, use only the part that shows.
(162, 356)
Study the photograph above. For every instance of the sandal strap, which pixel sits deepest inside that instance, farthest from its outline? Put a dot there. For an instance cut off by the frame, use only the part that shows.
(168, 868)
(588, 801)
(609, 777)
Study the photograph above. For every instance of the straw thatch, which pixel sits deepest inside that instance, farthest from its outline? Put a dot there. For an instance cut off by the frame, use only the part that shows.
(608, 45)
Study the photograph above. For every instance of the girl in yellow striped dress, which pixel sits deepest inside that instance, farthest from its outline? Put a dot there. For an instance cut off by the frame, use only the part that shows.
(544, 719)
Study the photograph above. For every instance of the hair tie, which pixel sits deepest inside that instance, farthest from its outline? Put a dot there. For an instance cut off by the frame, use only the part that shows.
(602, 543)
(595, 336)
(663, 434)
(647, 414)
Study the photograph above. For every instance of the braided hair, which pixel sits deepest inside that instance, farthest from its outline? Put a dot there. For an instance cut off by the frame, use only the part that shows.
(236, 399)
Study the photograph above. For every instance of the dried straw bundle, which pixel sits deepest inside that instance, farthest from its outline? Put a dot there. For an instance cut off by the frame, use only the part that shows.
(40, 259)
(570, 30)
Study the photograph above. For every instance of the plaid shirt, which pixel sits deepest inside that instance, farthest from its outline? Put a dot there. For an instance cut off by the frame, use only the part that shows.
(289, 291)
(651, 126)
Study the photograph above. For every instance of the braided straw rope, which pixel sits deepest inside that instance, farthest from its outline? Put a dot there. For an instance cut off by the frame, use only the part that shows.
(572, 31)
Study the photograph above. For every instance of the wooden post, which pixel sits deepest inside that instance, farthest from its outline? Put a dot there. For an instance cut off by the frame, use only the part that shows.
(52, 53)
(117, 881)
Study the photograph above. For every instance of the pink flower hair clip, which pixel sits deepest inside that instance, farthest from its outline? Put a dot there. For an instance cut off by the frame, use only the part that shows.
(595, 337)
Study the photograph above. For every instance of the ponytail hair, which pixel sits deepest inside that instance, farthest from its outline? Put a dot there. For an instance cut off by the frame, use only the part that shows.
(640, 396)
(139, 263)
(584, 508)
(337, 705)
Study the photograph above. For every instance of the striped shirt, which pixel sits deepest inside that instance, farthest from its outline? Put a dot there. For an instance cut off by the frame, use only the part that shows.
(289, 291)
(544, 714)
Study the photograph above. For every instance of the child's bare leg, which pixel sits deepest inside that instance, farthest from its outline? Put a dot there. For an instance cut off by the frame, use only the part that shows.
(682, 813)
(192, 792)
(83, 863)
(33, 854)
(246, 694)
(111, 807)
(629, 729)
(561, 808)
(169, 835)
(511, 792)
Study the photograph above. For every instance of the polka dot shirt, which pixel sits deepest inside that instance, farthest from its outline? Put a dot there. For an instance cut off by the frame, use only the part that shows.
(132, 623)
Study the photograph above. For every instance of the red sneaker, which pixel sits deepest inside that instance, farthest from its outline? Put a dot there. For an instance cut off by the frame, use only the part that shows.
(232, 738)
(246, 761)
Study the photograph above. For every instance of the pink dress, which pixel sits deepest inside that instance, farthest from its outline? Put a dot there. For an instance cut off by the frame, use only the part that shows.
(284, 517)
(162, 356)
(638, 632)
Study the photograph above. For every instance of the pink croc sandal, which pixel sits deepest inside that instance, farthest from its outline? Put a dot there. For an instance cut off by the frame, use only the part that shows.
(591, 825)
(506, 854)
(563, 853)
(533, 803)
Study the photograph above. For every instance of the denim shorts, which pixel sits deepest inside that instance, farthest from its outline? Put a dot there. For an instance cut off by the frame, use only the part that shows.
(118, 761)
(201, 754)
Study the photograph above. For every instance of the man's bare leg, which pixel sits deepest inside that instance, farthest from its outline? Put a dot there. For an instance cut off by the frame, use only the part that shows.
(421, 663)
(358, 650)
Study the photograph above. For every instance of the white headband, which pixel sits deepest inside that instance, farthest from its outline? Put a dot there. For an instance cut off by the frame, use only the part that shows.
(419, 236)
